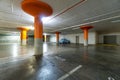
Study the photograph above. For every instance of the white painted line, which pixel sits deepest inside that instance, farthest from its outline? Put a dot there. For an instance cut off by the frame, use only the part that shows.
(69, 73)
(110, 78)
(59, 58)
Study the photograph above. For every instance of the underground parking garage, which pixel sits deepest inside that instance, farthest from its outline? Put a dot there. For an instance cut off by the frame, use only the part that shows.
(59, 40)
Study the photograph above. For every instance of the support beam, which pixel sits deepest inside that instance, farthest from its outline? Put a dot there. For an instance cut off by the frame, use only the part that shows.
(23, 35)
(38, 39)
(57, 37)
(37, 9)
(85, 29)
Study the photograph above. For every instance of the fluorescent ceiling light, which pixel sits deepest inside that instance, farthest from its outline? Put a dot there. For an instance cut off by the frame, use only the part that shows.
(30, 27)
(76, 28)
(48, 20)
(44, 33)
(101, 15)
(115, 21)
(96, 21)
(45, 19)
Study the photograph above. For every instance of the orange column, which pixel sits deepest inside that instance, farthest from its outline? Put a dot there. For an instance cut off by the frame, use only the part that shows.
(38, 28)
(85, 29)
(57, 37)
(85, 34)
(37, 9)
(23, 35)
(38, 38)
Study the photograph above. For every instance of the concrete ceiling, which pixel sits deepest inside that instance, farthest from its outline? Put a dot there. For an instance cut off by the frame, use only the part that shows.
(67, 17)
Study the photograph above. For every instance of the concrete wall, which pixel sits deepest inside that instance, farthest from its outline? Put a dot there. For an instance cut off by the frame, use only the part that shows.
(72, 38)
(9, 38)
(118, 39)
(53, 37)
(101, 40)
(30, 39)
(101, 37)
(91, 38)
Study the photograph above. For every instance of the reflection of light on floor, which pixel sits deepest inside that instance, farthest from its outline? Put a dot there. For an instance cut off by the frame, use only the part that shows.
(45, 72)
(45, 47)
(31, 69)
(110, 78)
(14, 50)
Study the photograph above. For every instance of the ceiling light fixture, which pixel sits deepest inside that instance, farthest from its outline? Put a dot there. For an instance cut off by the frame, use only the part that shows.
(44, 33)
(30, 27)
(45, 19)
(115, 21)
(102, 15)
(96, 21)
(75, 28)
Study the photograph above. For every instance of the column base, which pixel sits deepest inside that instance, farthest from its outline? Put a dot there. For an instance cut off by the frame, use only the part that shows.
(38, 44)
(86, 43)
(38, 57)
(23, 42)
(57, 44)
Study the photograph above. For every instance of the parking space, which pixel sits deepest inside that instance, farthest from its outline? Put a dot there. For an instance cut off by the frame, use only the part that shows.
(66, 63)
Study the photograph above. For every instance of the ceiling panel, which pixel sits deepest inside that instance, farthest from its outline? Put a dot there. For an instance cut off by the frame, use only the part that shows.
(91, 10)
(60, 5)
(97, 13)
(5, 5)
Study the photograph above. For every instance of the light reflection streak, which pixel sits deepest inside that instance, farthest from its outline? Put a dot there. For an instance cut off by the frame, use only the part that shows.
(14, 50)
(45, 47)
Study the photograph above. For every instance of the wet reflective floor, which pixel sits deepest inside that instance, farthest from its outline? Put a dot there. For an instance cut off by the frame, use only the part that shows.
(63, 62)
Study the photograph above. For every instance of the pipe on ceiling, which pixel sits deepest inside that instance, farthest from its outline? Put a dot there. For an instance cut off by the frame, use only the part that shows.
(69, 8)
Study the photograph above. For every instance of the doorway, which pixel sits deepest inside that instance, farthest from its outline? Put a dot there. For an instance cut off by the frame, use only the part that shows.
(112, 39)
(77, 39)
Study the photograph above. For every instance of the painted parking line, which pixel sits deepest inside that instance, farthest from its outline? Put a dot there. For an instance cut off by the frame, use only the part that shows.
(111, 78)
(70, 73)
(59, 58)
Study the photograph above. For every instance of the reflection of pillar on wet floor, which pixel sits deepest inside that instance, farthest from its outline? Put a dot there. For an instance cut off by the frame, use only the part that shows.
(23, 35)
(57, 37)
(85, 29)
(37, 9)
(85, 54)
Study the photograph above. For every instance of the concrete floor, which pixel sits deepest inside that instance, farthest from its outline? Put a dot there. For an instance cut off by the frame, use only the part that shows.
(63, 62)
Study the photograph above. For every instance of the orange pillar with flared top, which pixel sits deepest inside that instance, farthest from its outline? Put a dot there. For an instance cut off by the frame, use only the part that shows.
(85, 29)
(38, 39)
(38, 28)
(37, 9)
(23, 35)
(57, 37)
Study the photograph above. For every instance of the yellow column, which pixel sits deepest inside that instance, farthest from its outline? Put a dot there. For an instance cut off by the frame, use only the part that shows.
(23, 35)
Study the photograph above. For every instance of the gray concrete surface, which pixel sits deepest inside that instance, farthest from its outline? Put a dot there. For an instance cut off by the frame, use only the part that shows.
(96, 63)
